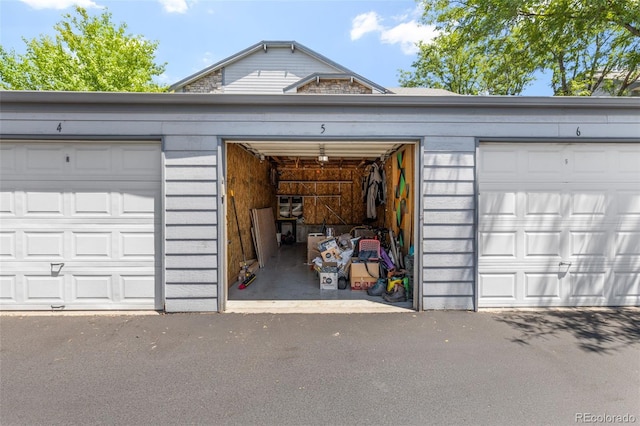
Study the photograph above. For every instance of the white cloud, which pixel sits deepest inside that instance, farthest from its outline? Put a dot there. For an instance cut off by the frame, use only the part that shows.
(365, 23)
(207, 59)
(175, 6)
(60, 4)
(407, 33)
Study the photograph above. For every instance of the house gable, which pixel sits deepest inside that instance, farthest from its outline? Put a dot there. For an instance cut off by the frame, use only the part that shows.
(273, 67)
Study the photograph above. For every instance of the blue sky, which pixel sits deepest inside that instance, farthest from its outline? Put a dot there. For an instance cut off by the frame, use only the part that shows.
(374, 38)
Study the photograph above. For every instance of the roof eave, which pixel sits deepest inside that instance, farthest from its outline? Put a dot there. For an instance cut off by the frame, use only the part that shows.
(8, 98)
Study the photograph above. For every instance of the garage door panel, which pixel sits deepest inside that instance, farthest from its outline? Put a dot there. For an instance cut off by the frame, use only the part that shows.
(626, 285)
(588, 243)
(498, 286)
(92, 287)
(577, 241)
(38, 203)
(590, 284)
(91, 160)
(8, 158)
(542, 285)
(499, 164)
(139, 160)
(7, 288)
(588, 203)
(543, 203)
(8, 247)
(138, 203)
(544, 244)
(502, 244)
(627, 244)
(137, 244)
(43, 244)
(628, 203)
(91, 245)
(44, 158)
(627, 161)
(588, 162)
(42, 288)
(82, 233)
(7, 203)
(136, 287)
(544, 164)
(497, 204)
(91, 203)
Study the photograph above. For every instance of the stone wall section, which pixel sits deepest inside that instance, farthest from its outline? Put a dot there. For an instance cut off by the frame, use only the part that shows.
(335, 86)
(210, 83)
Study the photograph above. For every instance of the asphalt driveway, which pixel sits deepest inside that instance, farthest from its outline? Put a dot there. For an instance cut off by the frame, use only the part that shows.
(488, 368)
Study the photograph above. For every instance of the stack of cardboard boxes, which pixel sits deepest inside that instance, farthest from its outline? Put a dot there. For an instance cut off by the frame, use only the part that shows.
(332, 258)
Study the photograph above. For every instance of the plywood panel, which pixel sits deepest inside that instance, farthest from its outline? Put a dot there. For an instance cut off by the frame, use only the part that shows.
(265, 231)
(248, 178)
(325, 190)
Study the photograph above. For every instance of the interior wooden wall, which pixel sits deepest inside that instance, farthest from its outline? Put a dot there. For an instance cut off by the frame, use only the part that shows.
(394, 199)
(249, 179)
(325, 189)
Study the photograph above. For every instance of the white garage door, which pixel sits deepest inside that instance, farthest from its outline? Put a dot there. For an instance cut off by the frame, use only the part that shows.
(559, 225)
(79, 225)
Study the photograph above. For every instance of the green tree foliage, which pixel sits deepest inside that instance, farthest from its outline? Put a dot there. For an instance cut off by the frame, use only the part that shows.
(586, 45)
(89, 53)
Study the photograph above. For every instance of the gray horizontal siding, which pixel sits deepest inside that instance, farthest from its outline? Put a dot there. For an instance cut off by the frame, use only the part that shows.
(191, 304)
(190, 232)
(448, 210)
(191, 224)
(190, 291)
(441, 275)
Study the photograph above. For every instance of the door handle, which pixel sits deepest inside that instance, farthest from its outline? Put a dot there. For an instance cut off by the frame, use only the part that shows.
(56, 268)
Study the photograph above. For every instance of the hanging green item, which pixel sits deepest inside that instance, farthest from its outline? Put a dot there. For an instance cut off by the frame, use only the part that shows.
(402, 182)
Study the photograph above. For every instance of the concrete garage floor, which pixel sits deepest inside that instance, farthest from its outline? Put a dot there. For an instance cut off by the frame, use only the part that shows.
(288, 284)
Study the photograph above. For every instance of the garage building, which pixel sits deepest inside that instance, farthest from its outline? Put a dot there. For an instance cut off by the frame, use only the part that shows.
(124, 201)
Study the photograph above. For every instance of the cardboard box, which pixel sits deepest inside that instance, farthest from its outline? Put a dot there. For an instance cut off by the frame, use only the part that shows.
(327, 243)
(329, 276)
(345, 242)
(331, 255)
(363, 275)
(312, 246)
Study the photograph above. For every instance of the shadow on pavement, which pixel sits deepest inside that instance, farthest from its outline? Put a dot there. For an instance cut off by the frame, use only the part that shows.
(596, 330)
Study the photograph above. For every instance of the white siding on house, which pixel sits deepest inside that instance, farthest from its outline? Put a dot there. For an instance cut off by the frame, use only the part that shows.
(271, 71)
(191, 224)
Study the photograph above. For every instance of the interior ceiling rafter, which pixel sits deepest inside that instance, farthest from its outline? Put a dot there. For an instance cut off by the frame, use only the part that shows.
(305, 153)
